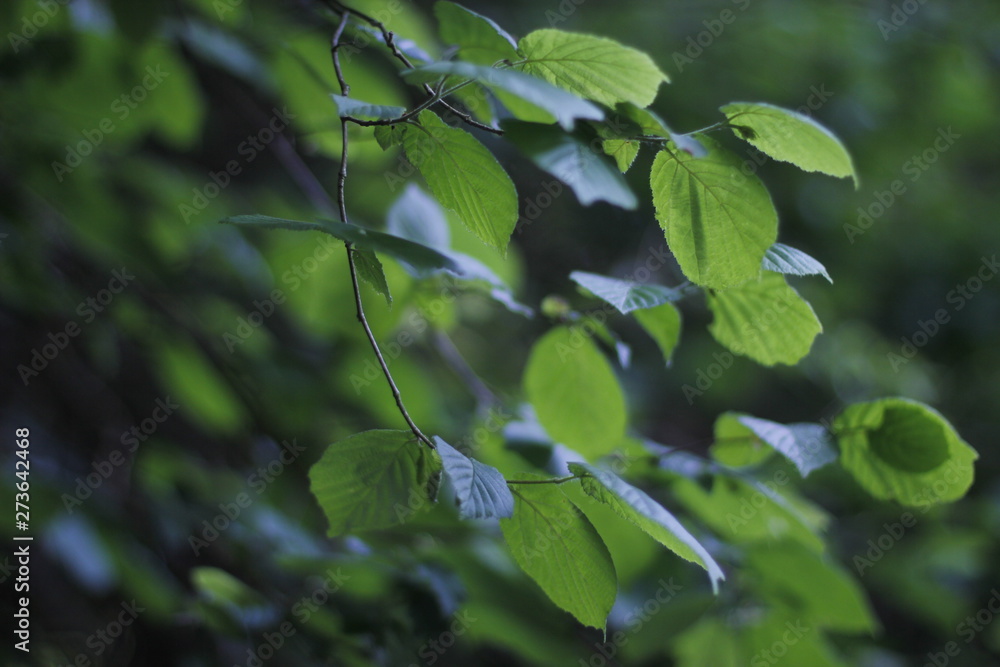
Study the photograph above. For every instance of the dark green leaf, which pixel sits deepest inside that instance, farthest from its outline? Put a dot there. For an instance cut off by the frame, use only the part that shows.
(368, 481)
(370, 271)
(479, 39)
(361, 238)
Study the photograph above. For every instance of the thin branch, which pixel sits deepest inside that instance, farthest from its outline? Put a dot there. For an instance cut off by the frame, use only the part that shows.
(345, 90)
(555, 480)
(389, 38)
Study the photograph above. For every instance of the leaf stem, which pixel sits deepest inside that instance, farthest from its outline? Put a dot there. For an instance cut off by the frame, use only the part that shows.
(389, 38)
(345, 90)
(554, 480)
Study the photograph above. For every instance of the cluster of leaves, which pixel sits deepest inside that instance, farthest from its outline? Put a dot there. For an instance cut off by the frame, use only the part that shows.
(577, 106)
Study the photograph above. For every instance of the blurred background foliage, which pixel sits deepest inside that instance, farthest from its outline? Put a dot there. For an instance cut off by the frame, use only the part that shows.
(141, 103)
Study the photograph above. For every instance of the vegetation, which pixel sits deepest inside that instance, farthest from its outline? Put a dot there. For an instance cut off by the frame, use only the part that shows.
(543, 452)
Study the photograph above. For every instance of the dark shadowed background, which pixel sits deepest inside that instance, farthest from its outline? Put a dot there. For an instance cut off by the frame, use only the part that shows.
(178, 377)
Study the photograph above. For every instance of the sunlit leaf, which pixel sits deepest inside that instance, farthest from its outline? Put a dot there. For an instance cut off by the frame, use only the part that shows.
(465, 177)
(575, 393)
(597, 68)
(902, 450)
(634, 505)
(765, 320)
(790, 137)
(717, 221)
(558, 547)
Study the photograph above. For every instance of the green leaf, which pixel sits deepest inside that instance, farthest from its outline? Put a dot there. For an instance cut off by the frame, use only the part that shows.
(741, 512)
(369, 480)
(370, 271)
(717, 221)
(790, 137)
(388, 136)
(735, 445)
(625, 295)
(575, 393)
(593, 67)
(464, 177)
(635, 506)
(360, 237)
(591, 175)
(479, 39)
(217, 585)
(480, 490)
(710, 643)
(808, 446)
(663, 323)
(813, 585)
(564, 106)
(622, 150)
(898, 449)
(786, 259)
(765, 320)
(348, 106)
(558, 547)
